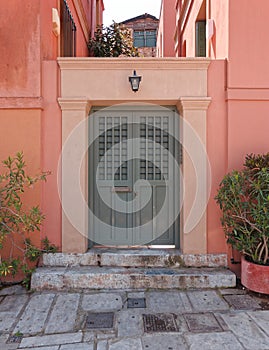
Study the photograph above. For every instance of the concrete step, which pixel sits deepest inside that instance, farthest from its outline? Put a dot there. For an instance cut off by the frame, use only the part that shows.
(135, 258)
(94, 277)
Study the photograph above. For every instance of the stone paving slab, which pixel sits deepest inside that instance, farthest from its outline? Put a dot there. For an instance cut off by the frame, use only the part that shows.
(102, 345)
(64, 313)
(164, 342)
(261, 318)
(80, 346)
(56, 347)
(126, 344)
(213, 323)
(48, 340)
(7, 319)
(136, 295)
(130, 323)
(32, 321)
(213, 341)
(13, 303)
(10, 308)
(246, 331)
(102, 302)
(16, 289)
(3, 345)
(162, 301)
(207, 301)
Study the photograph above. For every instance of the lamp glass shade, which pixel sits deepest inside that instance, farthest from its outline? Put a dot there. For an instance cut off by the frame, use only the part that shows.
(135, 81)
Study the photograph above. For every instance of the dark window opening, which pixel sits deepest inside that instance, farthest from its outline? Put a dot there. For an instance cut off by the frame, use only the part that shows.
(200, 35)
(68, 31)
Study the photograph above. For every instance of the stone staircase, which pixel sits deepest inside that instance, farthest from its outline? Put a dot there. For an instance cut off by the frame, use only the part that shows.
(132, 269)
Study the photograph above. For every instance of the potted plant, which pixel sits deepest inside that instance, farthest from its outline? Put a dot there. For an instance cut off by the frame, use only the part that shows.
(243, 197)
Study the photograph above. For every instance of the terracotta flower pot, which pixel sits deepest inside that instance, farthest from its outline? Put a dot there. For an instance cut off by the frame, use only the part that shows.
(255, 277)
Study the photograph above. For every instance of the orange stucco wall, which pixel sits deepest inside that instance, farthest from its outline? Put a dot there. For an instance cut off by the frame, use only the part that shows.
(21, 52)
(20, 131)
(30, 117)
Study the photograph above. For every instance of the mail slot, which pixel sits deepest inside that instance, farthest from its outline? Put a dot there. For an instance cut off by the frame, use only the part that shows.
(122, 189)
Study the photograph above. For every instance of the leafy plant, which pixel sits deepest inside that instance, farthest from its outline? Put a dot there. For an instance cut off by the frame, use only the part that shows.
(17, 222)
(112, 41)
(243, 197)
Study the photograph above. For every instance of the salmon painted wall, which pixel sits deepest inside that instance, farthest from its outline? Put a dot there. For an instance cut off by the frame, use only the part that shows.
(30, 116)
(20, 49)
(188, 34)
(20, 89)
(238, 84)
(248, 44)
(218, 11)
(216, 150)
(81, 37)
(20, 131)
(166, 31)
(248, 80)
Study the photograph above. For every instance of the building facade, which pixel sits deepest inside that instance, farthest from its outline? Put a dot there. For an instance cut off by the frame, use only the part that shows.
(144, 32)
(237, 117)
(196, 115)
(30, 116)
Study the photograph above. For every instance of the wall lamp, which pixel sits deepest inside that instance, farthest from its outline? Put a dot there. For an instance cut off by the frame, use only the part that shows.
(135, 81)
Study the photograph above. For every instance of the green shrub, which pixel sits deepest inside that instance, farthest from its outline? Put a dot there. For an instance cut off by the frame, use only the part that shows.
(17, 222)
(243, 197)
(112, 41)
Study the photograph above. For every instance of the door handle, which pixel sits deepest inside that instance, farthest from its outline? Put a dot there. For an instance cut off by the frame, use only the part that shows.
(122, 189)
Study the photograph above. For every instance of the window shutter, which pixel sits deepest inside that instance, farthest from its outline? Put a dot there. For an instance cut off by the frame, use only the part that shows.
(200, 39)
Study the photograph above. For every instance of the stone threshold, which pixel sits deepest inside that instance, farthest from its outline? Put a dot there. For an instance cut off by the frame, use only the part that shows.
(94, 277)
(138, 257)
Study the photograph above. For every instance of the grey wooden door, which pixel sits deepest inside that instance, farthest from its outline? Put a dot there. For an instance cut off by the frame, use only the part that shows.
(133, 177)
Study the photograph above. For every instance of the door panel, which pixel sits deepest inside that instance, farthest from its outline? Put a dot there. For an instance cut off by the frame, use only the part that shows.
(133, 191)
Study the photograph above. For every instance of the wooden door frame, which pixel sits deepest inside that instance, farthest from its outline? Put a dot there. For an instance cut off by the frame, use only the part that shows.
(91, 185)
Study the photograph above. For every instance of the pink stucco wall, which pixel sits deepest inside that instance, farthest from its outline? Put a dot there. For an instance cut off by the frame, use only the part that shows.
(216, 150)
(166, 31)
(20, 49)
(30, 116)
(248, 44)
(218, 11)
(238, 83)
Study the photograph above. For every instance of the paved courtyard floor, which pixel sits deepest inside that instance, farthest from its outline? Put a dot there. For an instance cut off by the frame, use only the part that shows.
(133, 320)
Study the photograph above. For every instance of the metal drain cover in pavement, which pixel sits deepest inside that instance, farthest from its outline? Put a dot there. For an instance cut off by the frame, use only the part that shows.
(242, 302)
(100, 320)
(160, 323)
(133, 303)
